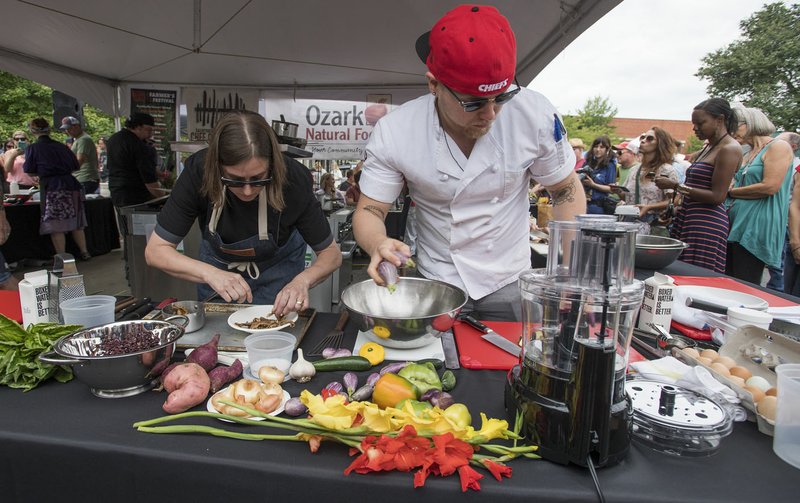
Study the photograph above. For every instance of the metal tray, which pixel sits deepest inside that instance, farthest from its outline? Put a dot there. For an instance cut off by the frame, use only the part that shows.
(231, 339)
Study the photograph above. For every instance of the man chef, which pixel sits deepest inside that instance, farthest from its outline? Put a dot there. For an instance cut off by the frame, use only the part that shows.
(467, 152)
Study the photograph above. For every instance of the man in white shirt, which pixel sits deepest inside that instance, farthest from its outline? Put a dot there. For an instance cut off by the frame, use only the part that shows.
(467, 165)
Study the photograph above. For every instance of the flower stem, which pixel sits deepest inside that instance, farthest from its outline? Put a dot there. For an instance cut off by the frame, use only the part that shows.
(217, 432)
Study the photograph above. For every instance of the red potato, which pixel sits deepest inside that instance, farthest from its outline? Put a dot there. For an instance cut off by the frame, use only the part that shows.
(188, 385)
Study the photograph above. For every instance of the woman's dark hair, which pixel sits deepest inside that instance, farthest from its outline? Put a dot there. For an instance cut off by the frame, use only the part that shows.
(238, 137)
(718, 107)
(599, 162)
(665, 149)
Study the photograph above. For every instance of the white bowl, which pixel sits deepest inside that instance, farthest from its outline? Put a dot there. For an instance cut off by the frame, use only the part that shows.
(263, 311)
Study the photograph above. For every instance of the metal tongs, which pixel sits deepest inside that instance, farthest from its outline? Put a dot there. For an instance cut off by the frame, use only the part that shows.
(667, 342)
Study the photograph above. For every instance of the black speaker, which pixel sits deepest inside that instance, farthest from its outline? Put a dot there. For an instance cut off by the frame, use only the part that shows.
(66, 106)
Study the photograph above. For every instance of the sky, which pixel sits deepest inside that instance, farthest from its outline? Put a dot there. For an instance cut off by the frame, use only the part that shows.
(643, 55)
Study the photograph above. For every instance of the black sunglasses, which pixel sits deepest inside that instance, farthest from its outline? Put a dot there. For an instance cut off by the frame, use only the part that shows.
(22, 138)
(229, 182)
(475, 105)
(648, 137)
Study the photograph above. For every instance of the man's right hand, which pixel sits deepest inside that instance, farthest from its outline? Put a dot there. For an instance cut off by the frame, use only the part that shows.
(385, 251)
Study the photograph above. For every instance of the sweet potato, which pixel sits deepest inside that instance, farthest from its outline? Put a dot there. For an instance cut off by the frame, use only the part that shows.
(205, 355)
(187, 385)
(222, 375)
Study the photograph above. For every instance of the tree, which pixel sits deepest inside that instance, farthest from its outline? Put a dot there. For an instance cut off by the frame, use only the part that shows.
(762, 68)
(23, 100)
(593, 120)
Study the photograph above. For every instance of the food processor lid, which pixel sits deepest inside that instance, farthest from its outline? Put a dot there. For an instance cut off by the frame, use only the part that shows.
(677, 420)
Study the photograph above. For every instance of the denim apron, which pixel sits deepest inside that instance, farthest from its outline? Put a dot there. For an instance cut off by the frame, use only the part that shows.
(265, 266)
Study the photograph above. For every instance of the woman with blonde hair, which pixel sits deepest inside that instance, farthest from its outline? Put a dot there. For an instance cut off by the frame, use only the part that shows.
(759, 198)
(256, 210)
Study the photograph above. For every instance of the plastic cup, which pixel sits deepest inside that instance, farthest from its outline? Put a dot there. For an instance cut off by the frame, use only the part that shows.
(273, 348)
(89, 311)
(786, 442)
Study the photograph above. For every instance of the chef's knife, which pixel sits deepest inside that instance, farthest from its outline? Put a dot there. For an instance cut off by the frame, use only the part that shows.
(450, 351)
(706, 306)
(491, 336)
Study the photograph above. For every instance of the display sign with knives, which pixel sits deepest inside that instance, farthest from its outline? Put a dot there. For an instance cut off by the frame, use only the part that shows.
(493, 346)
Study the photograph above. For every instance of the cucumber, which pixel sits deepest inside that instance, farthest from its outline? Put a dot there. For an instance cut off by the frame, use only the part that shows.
(354, 363)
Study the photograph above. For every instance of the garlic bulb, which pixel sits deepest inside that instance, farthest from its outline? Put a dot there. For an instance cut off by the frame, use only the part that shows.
(301, 370)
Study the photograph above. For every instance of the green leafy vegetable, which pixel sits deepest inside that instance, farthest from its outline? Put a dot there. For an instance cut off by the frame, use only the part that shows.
(19, 349)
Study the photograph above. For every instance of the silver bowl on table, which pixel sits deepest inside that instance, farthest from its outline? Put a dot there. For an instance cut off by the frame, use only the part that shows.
(657, 252)
(412, 316)
(118, 375)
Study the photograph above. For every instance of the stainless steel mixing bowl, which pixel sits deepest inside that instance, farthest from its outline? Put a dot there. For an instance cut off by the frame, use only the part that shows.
(410, 317)
(120, 375)
(657, 252)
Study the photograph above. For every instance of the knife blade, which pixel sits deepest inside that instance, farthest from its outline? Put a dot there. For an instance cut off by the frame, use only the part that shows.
(492, 337)
(450, 351)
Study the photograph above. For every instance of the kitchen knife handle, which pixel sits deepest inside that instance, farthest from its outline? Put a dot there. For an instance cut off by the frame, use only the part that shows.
(474, 323)
(706, 306)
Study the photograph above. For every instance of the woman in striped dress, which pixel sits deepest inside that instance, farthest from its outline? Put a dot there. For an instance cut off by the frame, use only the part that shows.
(702, 221)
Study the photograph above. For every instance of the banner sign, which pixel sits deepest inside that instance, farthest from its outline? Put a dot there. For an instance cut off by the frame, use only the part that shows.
(205, 106)
(335, 127)
(162, 105)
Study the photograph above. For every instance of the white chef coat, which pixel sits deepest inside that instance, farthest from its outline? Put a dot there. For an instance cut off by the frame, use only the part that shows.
(472, 225)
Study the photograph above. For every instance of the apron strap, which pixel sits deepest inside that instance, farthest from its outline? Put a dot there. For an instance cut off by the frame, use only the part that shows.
(250, 267)
(263, 231)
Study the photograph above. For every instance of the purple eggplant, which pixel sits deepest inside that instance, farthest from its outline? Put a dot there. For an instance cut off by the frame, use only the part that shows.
(350, 381)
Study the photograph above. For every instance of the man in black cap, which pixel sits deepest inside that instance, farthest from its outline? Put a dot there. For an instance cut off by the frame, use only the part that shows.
(132, 177)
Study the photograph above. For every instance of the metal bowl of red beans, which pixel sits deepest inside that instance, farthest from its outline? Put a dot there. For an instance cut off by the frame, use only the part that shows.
(119, 359)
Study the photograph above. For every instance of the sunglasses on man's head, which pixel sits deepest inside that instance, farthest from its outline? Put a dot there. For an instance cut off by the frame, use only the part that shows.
(475, 105)
(648, 137)
(229, 182)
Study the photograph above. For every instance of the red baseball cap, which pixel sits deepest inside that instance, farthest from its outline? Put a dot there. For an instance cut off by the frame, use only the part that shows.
(471, 50)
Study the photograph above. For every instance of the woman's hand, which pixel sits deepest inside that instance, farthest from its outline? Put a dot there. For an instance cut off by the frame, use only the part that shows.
(292, 297)
(231, 286)
(644, 209)
(588, 182)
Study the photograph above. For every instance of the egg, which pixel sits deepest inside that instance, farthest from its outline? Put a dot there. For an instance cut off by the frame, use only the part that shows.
(768, 407)
(710, 354)
(737, 381)
(772, 391)
(691, 352)
(758, 382)
(705, 361)
(727, 361)
(741, 372)
(757, 393)
(720, 369)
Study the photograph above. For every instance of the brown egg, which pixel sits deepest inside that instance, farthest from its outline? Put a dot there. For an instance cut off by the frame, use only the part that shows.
(757, 393)
(736, 380)
(772, 391)
(727, 361)
(768, 407)
(691, 352)
(741, 372)
(709, 353)
(705, 361)
(720, 369)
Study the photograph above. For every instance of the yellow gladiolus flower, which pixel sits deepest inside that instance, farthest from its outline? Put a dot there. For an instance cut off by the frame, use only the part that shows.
(331, 413)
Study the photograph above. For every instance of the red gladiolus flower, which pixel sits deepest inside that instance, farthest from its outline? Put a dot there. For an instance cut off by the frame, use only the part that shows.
(405, 452)
(498, 470)
(450, 453)
(469, 478)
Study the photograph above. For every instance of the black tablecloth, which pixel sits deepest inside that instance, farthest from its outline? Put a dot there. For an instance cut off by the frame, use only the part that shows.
(60, 443)
(25, 242)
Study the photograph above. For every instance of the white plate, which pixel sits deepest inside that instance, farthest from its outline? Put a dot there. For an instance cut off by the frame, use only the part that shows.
(250, 313)
(210, 407)
(722, 296)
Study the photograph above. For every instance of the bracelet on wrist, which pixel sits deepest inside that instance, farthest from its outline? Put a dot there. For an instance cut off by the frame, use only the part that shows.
(683, 189)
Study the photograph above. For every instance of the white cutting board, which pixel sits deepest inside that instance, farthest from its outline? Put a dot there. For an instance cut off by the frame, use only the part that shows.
(432, 350)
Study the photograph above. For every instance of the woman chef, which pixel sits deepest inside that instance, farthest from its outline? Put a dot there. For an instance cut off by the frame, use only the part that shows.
(257, 210)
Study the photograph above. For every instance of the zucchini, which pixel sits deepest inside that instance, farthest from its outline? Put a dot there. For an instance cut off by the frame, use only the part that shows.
(354, 363)
(437, 364)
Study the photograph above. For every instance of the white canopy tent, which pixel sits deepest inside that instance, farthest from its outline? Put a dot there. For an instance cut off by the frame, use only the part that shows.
(95, 49)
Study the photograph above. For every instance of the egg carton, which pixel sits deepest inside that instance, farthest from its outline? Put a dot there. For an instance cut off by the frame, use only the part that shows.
(758, 350)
